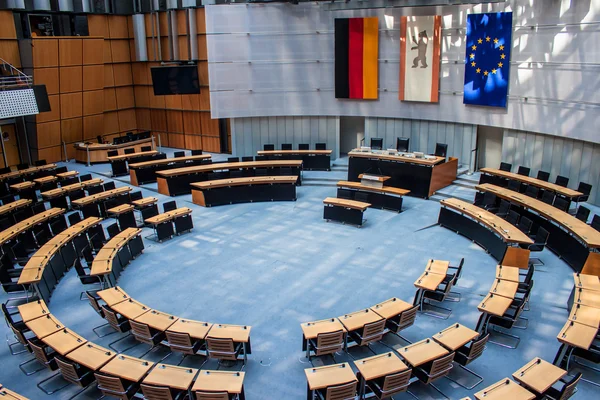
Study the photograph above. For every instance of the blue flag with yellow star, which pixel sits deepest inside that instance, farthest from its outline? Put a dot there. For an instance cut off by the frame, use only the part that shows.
(487, 62)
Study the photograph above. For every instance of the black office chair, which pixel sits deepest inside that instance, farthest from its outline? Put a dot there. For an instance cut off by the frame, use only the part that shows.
(376, 143)
(540, 242)
(109, 186)
(60, 170)
(69, 181)
(503, 209)
(525, 225)
(269, 147)
(85, 178)
(169, 206)
(512, 217)
(466, 355)
(94, 189)
(489, 201)
(505, 167)
(233, 159)
(260, 158)
(547, 197)
(523, 170)
(584, 188)
(515, 186)
(59, 225)
(562, 181)
(39, 163)
(543, 176)
(113, 230)
(22, 166)
(112, 153)
(441, 150)
(583, 213)
(402, 144)
(320, 146)
(596, 222)
(6, 223)
(510, 319)
(247, 158)
(146, 148)
(133, 196)
(7, 199)
(303, 146)
(41, 207)
(74, 218)
(179, 154)
(196, 152)
(286, 146)
(532, 191)
(4, 170)
(561, 204)
(129, 151)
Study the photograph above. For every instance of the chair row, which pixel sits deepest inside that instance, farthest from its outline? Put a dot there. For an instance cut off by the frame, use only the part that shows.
(403, 146)
(435, 285)
(302, 146)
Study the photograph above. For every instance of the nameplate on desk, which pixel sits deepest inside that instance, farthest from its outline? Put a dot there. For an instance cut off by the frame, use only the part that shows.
(373, 181)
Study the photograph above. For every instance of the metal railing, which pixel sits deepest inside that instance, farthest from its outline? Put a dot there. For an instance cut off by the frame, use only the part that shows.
(15, 78)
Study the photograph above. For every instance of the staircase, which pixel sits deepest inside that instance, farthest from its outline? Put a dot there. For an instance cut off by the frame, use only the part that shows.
(462, 188)
(339, 172)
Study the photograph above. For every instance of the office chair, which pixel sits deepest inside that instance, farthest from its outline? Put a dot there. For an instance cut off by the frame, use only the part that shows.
(320, 146)
(303, 146)
(562, 181)
(22, 166)
(196, 152)
(466, 355)
(169, 206)
(129, 151)
(561, 204)
(74, 218)
(568, 389)
(286, 146)
(540, 242)
(430, 372)
(402, 144)
(583, 213)
(512, 217)
(135, 196)
(326, 343)
(60, 170)
(525, 225)
(99, 139)
(247, 158)
(85, 178)
(343, 391)
(515, 186)
(596, 222)
(38, 208)
(441, 149)
(109, 186)
(376, 143)
(94, 189)
(543, 176)
(532, 191)
(233, 159)
(113, 230)
(69, 181)
(269, 147)
(547, 197)
(146, 148)
(112, 153)
(523, 170)
(503, 209)
(510, 319)
(505, 167)
(584, 188)
(39, 163)
(179, 154)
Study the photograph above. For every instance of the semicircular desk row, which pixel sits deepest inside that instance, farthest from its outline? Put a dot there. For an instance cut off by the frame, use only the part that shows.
(142, 172)
(28, 172)
(115, 373)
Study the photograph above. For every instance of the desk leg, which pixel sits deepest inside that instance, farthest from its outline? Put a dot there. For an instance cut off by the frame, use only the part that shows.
(245, 353)
(309, 393)
(361, 386)
(480, 322)
(560, 355)
(241, 396)
(307, 346)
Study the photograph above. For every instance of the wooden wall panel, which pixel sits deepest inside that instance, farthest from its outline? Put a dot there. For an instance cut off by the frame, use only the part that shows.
(93, 102)
(98, 25)
(132, 55)
(110, 99)
(181, 22)
(211, 144)
(209, 126)
(122, 74)
(120, 51)
(111, 122)
(48, 77)
(48, 134)
(172, 102)
(127, 121)
(161, 137)
(117, 27)
(203, 72)
(141, 96)
(176, 140)
(45, 52)
(50, 154)
(190, 102)
(142, 116)
(107, 52)
(93, 126)
(9, 50)
(125, 97)
(71, 130)
(71, 79)
(70, 52)
(184, 53)
(141, 74)
(192, 123)
(93, 77)
(54, 114)
(202, 49)
(156, 101)
(71, 105)
(193, 142)
(158, 118)
(204, 97)
(93, 51)
(7, 25)
(200, 21)
(109, 77)
(175, 121)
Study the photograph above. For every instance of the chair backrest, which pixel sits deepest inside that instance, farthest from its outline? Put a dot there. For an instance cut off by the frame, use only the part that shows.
(596, 222)
(489, 198)
(562, 181)
(515, 186)
(170, 206)
(247, 158)
(525, 224)
(543, 176)
(286, 146)
(94, 189)
(477, 347)
(94, 302)
(22, 166)
(561, 204)
(269, 147)
(584, 188)
(320, 146)
(347, 391)
(376, 143)
(541, 236)
(408, 317)
(19, 335)
(441, 149)
(523, 170)
(396, 383)
(513, 217)
(135, 196)
(548, 197)
(79, 268)
(141, 331)
(402, 144)
(113, 230)
(110, 385)
(505, 167)
(109, 186)
(86, 177)
(179, 154)
(583, 213)
(233, 159)
(196, 152)
(329, 342)
(440, 367)
(212, 395)
(221, 348)
(303, 146)
(570, 387)
(156, 392)
(372, 332)
(504, 207)
(129, 151)
(60, 170)
(39, 353)
(7, 314)
(68, 371)
(146, 148)
(39, 163)
(113, 321)
(532, 191)
(112, 153)
(181, 342)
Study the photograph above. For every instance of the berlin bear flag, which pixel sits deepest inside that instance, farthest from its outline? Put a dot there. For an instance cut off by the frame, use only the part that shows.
(420, 43)
(487, 61)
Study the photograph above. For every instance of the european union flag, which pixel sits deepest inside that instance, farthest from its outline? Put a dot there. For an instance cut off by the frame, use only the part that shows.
(487, 62)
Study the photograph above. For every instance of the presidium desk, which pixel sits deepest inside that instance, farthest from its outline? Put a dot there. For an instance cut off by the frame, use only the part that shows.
(91, 153)
(311, 159)
(422, 176)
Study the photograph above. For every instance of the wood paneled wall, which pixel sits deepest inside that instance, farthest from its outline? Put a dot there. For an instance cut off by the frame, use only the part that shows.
(9, 46)
(183, 121)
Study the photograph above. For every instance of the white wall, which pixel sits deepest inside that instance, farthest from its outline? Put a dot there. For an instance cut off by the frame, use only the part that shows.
(277, 59)
(579, 161)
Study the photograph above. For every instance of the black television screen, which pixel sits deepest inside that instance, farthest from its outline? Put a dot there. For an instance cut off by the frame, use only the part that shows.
(175, 80)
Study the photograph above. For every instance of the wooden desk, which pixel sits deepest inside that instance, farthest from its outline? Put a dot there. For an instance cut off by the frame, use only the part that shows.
(220, 381)
(330, 375)
(538, 375)
(385, 197)
(196, 329)
(358, 319)
(121, 209)
(45, 179)
(311, 159)
(437, 266)
(127, 157)
(65, 190)
(494, 304)
(422, 352)
(66, 175)
(503, 390)
(170, 376)
(18, 228)
(168, 216)
(10, 395)
(507, 273)
(91, 153)
(391, 307)
(587, 298)
(243, 190)
(311, 330)
(429, 280)
(18, 187)
(237, 333)
(455, 336)
(33, 310)
(589, 316)
(384, 189)
(130, 308)
(129, 368)
(577, 335)
(26, 172)
(157, 320)
(91, 356)
(145, 171)
(13, 206)
(113, 295)
(145, 202)
(504, 288)
(380, 365)
(588, 282)
(44, 326)
(353, 204)
(95, 198)
(552, 187)
(64, 341)
(102, 265)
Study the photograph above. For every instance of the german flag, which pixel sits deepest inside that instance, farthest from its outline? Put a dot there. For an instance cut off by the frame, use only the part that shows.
(356, 51)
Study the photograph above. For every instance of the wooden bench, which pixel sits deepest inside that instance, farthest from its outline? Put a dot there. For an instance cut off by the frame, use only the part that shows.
(243, 190)
(344, 210)
(385, 197)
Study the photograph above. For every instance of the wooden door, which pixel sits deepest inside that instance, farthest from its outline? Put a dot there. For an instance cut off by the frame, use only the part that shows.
(11, 146)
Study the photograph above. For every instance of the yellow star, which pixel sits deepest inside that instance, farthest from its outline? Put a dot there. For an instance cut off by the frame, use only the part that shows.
(479, 41)
(496, 41)
(487, 39)
(473, 64)
(472, 56)
(501, 47)
(485, 73)
(474, 47)
(478, 70)
(500, 64)
(502, 56)
(494, 71)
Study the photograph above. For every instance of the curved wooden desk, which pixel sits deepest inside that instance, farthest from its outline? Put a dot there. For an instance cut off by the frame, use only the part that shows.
(177, 181)
(107, 264)
(311, 159)
(14, 206)
(422, 176)
(386, 197)
(487, 173)
(145, 172)
(244, 190)
(16, 229)
(119, 163)
(481, 226)
(102, 196)
(98, 152)
(570, 238)
(65, 190)
(26, 172)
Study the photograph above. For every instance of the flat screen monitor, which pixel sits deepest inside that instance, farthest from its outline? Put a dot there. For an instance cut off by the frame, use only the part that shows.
(175, 80)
